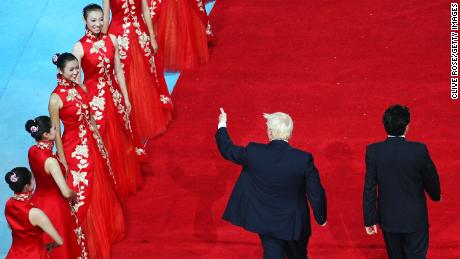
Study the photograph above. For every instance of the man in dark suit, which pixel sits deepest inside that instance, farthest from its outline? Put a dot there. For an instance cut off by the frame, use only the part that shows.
(270, 195)
(398, 173)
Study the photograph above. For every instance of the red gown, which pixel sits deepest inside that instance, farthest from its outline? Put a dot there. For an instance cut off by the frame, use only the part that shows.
(108, 109)
(148, 93)
(181, 27)
(48, 198)
(98, 209)
(27, 239)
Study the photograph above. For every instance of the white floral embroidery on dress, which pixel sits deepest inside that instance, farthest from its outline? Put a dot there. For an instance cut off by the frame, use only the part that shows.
(165, 99)
(98, 102)
(97, 46)
(71, 94)
(44, 145)
(153, 7)
(22, 196)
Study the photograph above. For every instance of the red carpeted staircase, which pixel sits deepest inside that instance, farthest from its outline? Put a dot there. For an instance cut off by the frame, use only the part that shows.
(334, 66)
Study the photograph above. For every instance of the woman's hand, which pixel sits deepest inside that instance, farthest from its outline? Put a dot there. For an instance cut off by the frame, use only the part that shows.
(66, 167)
(51, 246)
(127, 105)
(73, 199)
(154, 44)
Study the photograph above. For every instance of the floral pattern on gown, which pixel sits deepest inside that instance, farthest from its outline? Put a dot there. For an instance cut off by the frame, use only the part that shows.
(97, 208)
(150, 98)
(108, 108)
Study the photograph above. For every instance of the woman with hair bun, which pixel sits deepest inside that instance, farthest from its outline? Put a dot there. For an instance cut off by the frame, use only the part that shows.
(151, 102)
(81, 150)
(52, 193)
(27, 223)
(109, 101)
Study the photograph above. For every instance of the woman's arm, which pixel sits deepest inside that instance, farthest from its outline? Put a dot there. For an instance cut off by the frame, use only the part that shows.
(148, 22)
(106, 9)
(52, 167)
(38, 218)
(78, 52)
(120, 74)
(54, 106)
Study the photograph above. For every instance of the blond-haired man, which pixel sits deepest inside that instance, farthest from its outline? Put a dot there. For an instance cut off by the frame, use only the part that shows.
(270, 195)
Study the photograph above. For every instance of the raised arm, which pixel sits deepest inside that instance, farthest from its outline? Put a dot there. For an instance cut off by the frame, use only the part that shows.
(54, 106)
(315, 193)
(38, 218)
(106, 9)
(431, 178)
(78, 52)
(148, 22)
(229, 151)
(52, 167)
(370, 196)
(120, 74)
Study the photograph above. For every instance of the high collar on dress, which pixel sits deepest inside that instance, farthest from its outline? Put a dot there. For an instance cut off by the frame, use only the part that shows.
(92, 36)
(22, 196)
(45, 144)
(61, 80)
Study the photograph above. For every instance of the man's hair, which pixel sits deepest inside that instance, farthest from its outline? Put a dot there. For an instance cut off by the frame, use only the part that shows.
(280, 124)
(395, 120)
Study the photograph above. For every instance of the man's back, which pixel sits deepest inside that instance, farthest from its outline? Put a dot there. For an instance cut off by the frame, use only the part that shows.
(403, 171)
(270, 194)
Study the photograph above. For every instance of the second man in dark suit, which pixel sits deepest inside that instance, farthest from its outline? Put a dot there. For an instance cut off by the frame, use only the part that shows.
(398, 173)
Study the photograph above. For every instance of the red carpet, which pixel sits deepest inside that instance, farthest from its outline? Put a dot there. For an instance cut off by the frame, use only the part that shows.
(333, 66)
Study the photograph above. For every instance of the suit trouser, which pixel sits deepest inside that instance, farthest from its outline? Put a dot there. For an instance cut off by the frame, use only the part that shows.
(275, 248)
(406, 245)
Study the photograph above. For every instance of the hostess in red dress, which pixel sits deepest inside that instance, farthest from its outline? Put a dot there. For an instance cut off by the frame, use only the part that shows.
(27, 239)
(181, 27)
(109, 112)
(48, 198)
(98, 209)
(148, 93)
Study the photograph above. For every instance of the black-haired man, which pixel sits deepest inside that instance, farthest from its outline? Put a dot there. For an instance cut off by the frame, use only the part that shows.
(398, 172)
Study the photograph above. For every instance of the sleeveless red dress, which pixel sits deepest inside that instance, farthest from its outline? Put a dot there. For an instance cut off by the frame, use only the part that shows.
(181, 27)
(149, 95)
(98, 210)
(48, 198)
(27, 239)
(108, 109)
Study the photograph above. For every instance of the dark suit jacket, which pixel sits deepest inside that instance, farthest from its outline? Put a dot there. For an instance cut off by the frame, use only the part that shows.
(270, 195)
(398, 172)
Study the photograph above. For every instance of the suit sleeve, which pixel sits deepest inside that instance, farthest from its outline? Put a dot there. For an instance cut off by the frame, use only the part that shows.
(370, 192)
(315, 193)
(430, 177)
(228, 150)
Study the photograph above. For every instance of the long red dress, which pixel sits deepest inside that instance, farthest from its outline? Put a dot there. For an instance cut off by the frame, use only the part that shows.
(48, 198)
(27, 239)
(150, 98)
(181, 27)
(108, 109)
(98, 209)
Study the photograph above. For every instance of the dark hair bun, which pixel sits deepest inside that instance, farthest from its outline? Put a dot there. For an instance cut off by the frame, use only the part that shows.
(30, 124)
(55, 58)
(17, 178)
(38, 127)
